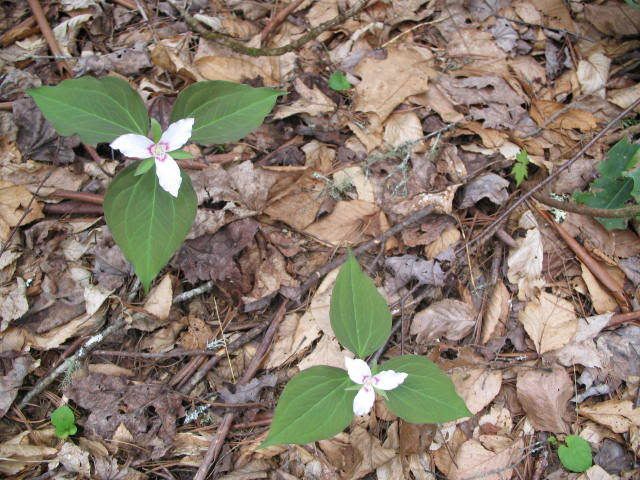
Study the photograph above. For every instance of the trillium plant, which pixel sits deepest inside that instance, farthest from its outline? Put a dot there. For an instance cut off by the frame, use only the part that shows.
(150, 205)
(320, 402)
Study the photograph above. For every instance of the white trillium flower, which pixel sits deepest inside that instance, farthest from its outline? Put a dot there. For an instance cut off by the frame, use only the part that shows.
(138, 146)
(360, 373)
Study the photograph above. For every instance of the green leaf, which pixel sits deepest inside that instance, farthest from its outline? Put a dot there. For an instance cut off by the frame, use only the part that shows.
(519, 171)
(144, 166)
(180, 155)
(313, 406)
(576, 454)
(146, 222)
(338, 81)
(223, 111)
(613, 189)
(156, 130)
(427, 395)
(98, 110)
(64, 420)
(360, 316)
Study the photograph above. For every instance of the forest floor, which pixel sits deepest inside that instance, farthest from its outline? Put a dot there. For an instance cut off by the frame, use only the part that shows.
(468, 125)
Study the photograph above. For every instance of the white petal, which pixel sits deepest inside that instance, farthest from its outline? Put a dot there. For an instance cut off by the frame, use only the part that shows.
(357, 369)
(133, 145)
(169, 176)
(388, 380)
(177, 134)
(364, 400)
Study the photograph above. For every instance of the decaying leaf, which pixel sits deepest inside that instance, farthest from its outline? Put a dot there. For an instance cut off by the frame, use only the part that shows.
(450, 318)
(16, 205)
(544, 396)
(525, 264)
(11, 382)
(474, 459)
(618, 415)
(550, 321)
(477, 386)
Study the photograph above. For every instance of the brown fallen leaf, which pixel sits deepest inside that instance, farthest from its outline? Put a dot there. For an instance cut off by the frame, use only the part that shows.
(386, 83)
(472, 459)
(347, 222)
(545, 407)
(451, 319)
(550, 322)
(618, 415)
(477, 386)
(158, 304)
(13, 302)
(495, 316)
(593, 73)
(14, 201)
(311, 102)
(197, 336)
(20, 451)
(403, 128)
(542, 111)
(601, 300)
(371, 453)
(487, 185)
(270, 277)
(11, 382)
(613, 18)
(582, 350)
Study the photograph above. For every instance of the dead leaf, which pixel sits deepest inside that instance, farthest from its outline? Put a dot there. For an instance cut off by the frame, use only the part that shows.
(488, 185)
(158, 305)
(371, 453)
(550, 322)
(74, 459)
(270, 277)
(593, 73)
(525, 264)
(13, 302)
(386, 83)
(346, 223)
(11, 382)
(477, 386)
(293, 337)
(582, 350)
(311, 102)
(472, 459)
(449, 237)
(197, 336)
(621, 350)
(249, 392)
(406, 268)
(614, 18)
(601, 300)
(164, 339)
(545, 407)
(624, 97)
(20, 451)
(496, 313)
(542, 111)
(326, 352)
(14, 202)
(401, 129)
(451, 319)
(618, 415)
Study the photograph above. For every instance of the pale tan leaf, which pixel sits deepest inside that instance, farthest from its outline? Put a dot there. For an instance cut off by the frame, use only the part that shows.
(449, 237)
(618, 415)
(158, 304)
(345, 224)
(549, 321)
(326, 352)
(14, 201)
(477, 386)
(525, 264)
(450, 318)
(601, 300)
(371, 453)
(582, 349)
(546, 406)
(13, 302)
(294, 336)
(401, 129)
(472, 459)
(624, 97)
(311, 102)
(593, 73)
(496, 313)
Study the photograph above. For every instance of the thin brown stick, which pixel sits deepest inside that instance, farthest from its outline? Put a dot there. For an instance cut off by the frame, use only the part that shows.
(84, 197)
(130, 4)
(7, 106)
(627, 132)
(238, 47)
(620, 318)
(223, 430)
(278, 19)
(603, 276)
(490, 230)
(568, 206)
(256, 423)
(47, 33)
(73, 208)
(18, 32)
(173, 353)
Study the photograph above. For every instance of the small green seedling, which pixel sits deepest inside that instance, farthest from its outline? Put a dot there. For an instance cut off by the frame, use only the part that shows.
(320, 402)
(520, 169)
(64, 421)
(338, 82)
(575, 455)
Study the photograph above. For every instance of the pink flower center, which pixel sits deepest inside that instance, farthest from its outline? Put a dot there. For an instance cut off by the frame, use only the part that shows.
(158, 151)
(370, 380)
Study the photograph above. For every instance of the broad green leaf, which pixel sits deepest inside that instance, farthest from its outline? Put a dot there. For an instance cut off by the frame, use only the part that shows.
(146, 222)
(427, 395)
(180, 155)
(98, 110)
(144, 166)
(156, 130)
(313, 406)
(614, 187)
(63, 419)
(223, 111)
(576, 454)
(338, 81)
(360, 316)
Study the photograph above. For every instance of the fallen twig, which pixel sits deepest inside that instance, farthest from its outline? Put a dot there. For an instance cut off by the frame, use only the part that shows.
(603, 276)
(47, 33)
(178, 352)
(267, 52)
(85, 197)
(568, 206)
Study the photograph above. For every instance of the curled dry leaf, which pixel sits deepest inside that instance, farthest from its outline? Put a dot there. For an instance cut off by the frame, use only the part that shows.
(447, 318)
(593, 73)
(13, 302)
(158, 305)
(311, 102)
(582, 350)
(488, 185)
(14, 201)
(371, 453)
(11, 382)
(496, 313)
(546, 406)
(472, 460)
(550, 322)
(347, 223)
(525, 264)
